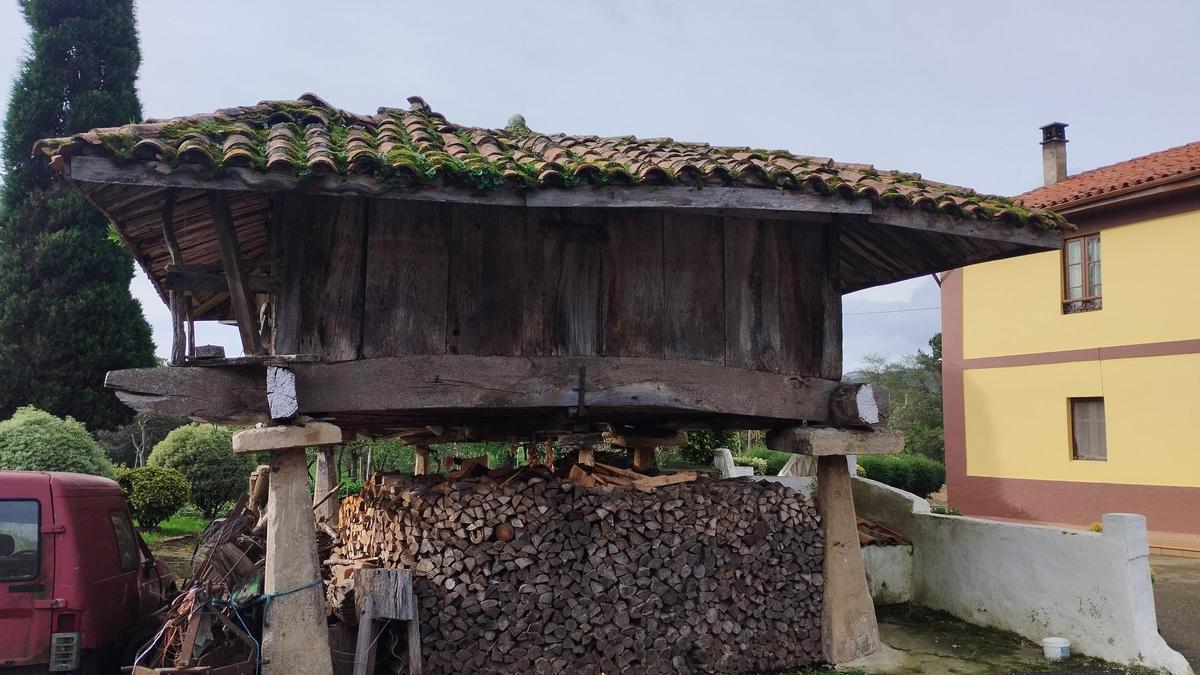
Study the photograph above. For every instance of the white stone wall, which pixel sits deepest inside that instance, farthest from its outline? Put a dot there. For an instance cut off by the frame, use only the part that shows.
(889, 573)
(723, 460)
(1093, 589)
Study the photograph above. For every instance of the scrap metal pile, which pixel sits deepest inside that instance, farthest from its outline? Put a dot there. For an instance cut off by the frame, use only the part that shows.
(214, 625)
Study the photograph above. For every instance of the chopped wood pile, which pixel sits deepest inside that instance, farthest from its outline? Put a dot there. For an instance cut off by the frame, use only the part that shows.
(598, 570)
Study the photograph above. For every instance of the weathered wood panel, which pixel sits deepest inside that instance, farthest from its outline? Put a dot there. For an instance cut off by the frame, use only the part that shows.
(330, 277)
(487, 280)
(752, 338)
(803, 280)
(407, 273)
(693, 288)
(319, 308)
(563, 298)
(776, 295)
(632, 320)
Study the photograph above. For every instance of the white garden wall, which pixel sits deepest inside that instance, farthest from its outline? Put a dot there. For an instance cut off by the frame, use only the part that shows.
(1093, 589)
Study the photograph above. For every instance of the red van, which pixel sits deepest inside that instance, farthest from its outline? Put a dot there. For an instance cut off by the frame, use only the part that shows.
(77, 583)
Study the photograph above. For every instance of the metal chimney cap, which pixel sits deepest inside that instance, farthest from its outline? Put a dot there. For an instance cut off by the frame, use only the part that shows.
(1054, 131)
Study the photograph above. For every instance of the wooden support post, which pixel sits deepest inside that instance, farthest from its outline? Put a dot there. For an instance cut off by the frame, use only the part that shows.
(587, 455)
(235, 275)
(385, 594)
(175, 299)
(848, 616)
(364, 655)
(644, 460)
(421, 460)
(325, 481)
(295, 634)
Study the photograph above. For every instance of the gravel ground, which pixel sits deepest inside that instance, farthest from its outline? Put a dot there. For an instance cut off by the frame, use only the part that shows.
(1177, 603)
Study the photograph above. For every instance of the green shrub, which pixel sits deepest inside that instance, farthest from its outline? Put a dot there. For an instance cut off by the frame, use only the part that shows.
(911, 473)
(35, 440)
(203, 453)
(759, 463)
(775, 460)
(701, 445)
(350, 487)
(154, 493)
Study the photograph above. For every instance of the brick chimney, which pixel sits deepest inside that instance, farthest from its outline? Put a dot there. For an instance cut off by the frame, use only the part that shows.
(1054, 152)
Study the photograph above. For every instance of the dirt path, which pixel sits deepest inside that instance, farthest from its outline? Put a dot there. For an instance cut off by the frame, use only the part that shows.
(176, 552)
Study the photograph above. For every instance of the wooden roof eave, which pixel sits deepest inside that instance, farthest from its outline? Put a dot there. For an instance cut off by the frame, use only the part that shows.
(1000, 239)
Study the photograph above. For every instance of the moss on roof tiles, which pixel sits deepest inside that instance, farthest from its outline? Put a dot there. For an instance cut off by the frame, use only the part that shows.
(410, 148)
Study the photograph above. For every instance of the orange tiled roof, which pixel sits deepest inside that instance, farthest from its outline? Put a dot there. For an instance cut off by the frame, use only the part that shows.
(1131, 175)
(409, 148)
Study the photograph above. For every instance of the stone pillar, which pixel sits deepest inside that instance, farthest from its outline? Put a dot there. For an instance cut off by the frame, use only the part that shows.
(848, 617)
(295, 633)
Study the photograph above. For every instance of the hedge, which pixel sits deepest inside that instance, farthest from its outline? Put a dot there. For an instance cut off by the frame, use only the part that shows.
(912, 473)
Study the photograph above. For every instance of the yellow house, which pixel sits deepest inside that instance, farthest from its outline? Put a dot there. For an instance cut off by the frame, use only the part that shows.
(1072, 378)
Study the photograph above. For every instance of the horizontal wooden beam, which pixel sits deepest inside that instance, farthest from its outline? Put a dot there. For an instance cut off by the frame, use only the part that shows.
(103, 170)
(205, 279)
(821, 442)
(770, 201)
(448, 387)
(918, 219)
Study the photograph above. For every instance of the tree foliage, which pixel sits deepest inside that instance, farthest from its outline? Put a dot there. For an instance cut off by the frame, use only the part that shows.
(915, 384)
(35, 440)
(702, 444)
(203, 453)
(154, 493)
(66, 314)
(129, 444)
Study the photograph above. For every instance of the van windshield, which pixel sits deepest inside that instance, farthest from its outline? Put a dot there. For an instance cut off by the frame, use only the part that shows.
(18, 539)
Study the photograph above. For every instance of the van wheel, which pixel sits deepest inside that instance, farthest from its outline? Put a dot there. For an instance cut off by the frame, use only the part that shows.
(139, 635)
(97, 663)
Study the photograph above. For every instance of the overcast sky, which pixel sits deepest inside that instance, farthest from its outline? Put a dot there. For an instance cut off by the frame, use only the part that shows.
(953, 90)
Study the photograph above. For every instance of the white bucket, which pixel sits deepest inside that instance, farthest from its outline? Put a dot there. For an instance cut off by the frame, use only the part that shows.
(1056, 648)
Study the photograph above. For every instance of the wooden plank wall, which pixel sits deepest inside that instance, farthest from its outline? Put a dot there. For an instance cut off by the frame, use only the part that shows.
(368, 278)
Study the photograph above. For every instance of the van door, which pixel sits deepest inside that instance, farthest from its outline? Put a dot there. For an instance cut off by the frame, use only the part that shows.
(26, 562)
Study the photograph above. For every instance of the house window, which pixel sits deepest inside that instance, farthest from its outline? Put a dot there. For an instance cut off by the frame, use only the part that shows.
(1081, 274)
(1088, 437)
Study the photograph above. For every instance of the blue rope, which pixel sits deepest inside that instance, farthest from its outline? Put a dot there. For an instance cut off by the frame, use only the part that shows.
(265, 598)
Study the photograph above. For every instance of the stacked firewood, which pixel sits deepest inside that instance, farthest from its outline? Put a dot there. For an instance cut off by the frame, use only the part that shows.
(528, 571)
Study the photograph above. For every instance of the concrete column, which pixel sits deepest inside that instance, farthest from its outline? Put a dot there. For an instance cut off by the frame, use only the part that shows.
(848, 617)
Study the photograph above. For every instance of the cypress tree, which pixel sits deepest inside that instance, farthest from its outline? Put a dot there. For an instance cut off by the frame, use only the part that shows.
(66, 314)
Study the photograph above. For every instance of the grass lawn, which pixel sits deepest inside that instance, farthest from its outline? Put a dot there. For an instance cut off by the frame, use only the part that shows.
(188, 521)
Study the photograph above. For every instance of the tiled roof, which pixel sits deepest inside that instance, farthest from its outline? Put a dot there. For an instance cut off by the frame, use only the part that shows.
(413, 147)
(1135, 174)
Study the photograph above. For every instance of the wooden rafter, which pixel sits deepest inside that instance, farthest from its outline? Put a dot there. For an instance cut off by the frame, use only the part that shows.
(205, 279)
(235, 275)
